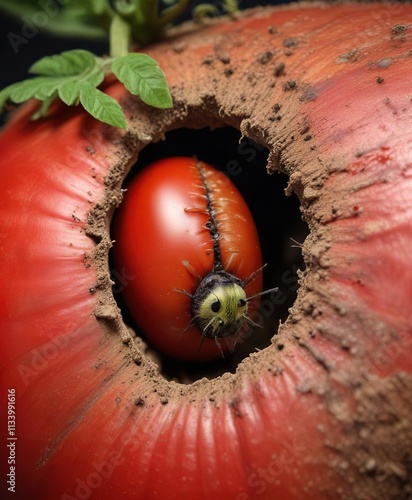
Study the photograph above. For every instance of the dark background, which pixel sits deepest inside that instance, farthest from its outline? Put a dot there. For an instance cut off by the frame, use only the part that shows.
(14, 66)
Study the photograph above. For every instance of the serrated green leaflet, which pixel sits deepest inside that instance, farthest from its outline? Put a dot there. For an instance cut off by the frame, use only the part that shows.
(102, 107)
(70, 93)
(141, 75)
(44, 108)
(39, 88)
(69, 63)
(44, 86)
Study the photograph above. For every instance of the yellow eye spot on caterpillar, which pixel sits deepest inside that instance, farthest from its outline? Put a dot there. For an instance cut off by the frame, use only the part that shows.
(219, 312)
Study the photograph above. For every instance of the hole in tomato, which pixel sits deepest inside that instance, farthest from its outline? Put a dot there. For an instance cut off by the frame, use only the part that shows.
(279, 225)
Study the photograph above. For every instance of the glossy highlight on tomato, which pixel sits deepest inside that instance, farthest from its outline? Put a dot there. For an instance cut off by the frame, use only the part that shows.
(180, 222)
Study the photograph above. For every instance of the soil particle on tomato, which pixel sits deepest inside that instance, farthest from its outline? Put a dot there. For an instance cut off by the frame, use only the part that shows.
(308, 94)
(289, 48)
(290, 42)
(99, 363)
(222, 55)
(234, 405)
(276, 107)
(87, 260)
(311, 194)
(352, 55)
(379, 80)
(265, 57)
(290, 85)
(280, 69)
(305, 127)
(398, 31)
(179, 47)
(106, 312)
(384, 63)
(208, 60)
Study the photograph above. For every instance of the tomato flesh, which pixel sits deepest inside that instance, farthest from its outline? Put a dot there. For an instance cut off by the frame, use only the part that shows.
(163, 244)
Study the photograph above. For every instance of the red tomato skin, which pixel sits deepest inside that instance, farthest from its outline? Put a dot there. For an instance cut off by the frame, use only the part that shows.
(163, 245)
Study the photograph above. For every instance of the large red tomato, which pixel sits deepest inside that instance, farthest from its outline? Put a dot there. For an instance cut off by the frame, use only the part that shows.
(182, 221)
(324, 411)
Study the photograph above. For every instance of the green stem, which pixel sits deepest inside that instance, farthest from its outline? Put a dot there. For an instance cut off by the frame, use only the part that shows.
(120, 36)
(169, 14)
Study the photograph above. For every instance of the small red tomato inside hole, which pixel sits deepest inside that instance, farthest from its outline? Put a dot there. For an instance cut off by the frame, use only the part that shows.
(187, 242)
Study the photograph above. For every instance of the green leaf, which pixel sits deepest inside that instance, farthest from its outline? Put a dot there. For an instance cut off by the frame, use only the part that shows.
(39, 88)
(44, 108)
(98, 6)
(95, 77)
(69, 63)
(74, 18)
(141, 75)
(102, 107)
(19, 9)
(25, 90)
(203, 10)
(71, 88)
(70, 93)
(230, 6)
(127, 8)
